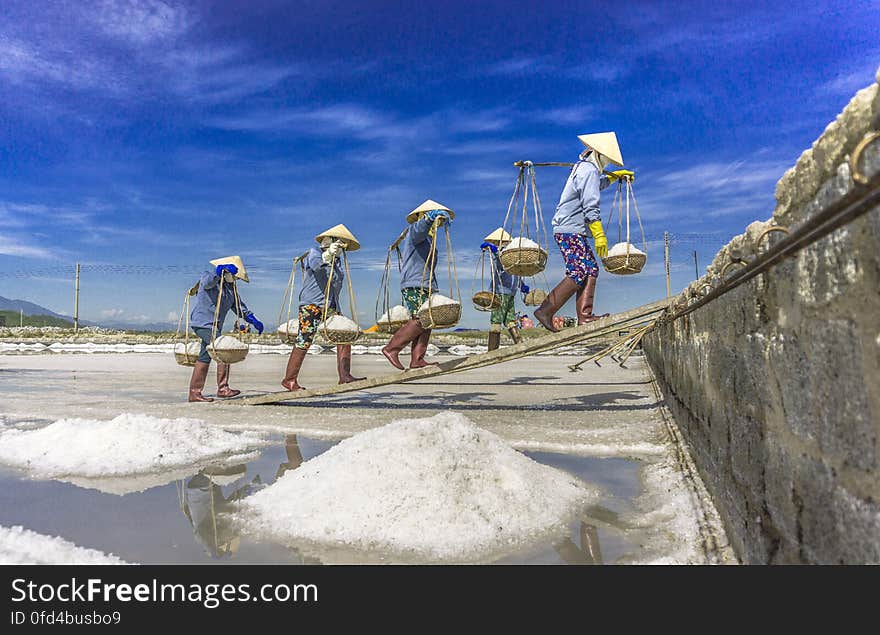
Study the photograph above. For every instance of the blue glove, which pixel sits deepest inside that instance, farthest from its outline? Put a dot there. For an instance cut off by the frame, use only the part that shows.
(490, 247)
(523, 287)
(434, 214)
(230, 268)
(252, 319)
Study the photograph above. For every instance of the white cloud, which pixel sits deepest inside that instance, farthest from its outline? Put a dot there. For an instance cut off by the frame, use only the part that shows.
(12, 246)
(138, 21)
(112, 313)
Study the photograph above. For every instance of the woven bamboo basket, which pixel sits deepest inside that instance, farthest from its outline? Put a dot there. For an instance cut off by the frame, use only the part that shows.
(535, 297)
(486, 301)
(334, 336)
(523, 261)
(187, 353)
(390, 326)
(226, 355)
(625, 264)
(288, 331)
(444, 316)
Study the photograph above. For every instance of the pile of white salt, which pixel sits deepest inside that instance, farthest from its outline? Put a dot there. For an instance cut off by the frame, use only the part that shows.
(435, 489)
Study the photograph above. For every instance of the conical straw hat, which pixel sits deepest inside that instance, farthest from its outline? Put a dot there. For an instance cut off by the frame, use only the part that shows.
(427, 206)
(341, 232)
(498, 236)
(233, 260)
(605, 143)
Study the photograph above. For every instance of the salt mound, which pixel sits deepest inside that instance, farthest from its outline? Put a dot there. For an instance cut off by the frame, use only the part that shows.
(435, 301)
(396, 314)
(23, 546)
(289, 328)
(620, 249)
(191, 348)
(229, 342)
(521, 243)
(126, 445)
(339, 323)
(437, 488)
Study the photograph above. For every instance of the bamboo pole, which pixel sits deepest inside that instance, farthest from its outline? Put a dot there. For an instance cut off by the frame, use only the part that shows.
(666, 258)
(597, 328)
(76, 302)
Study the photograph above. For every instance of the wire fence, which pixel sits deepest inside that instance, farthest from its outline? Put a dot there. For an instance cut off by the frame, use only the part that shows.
(69, 270)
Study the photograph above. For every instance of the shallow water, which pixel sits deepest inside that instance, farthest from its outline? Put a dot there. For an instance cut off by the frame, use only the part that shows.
(602, 425)
(173, 523)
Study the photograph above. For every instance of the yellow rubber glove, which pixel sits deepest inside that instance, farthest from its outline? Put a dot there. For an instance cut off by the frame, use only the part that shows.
(599, 238)
(626, 175)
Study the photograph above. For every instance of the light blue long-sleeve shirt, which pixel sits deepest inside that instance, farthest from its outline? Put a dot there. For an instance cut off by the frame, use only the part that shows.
(414, 250)
(505, 283)
(205, 303)
(317, 272)
(579, 201)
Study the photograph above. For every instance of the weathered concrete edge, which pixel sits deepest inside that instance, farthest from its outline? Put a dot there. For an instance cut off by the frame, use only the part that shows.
(794, 484)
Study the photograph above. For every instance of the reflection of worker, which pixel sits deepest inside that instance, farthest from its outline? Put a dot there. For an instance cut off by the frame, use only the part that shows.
(425, 221)
(589, 551)
(202, 321)
(203, 503)
(505, 285)
(577, 211)
(314, 295)
(294, 456)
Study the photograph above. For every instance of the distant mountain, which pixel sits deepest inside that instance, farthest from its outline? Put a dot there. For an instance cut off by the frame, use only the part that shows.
(13, 318)
(29, 308)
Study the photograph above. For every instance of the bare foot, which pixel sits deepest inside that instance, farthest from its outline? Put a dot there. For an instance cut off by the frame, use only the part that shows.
(350, 378)
(291, 385)
(227, 392)
(420, 363)
(197, 396)
(392, 357)
(546, 322)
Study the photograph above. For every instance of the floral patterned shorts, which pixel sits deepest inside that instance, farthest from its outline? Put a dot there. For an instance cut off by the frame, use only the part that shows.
(309, 319)
(414, 298)
(580, 263)
(505, 315)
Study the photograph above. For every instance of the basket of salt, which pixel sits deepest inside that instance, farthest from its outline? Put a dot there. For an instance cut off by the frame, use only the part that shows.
(393, 319)
(187, 353)
(486, 301)
(227, 349)
(288, 331)
(338, 329)
(523, 257)
(535, 297)
(624, 259)
(439, 312)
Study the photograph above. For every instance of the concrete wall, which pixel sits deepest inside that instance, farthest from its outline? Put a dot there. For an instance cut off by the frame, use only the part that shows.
(776, 385)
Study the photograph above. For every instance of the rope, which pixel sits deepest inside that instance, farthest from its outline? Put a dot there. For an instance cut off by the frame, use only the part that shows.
(289, 292)
(215, 327)
(430, 265)
(481, 267)
(351, 305)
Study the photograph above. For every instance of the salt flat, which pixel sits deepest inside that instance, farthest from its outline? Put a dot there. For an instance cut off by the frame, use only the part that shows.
(605, 425)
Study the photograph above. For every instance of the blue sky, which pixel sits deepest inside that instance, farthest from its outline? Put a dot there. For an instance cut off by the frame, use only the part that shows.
(140, 132)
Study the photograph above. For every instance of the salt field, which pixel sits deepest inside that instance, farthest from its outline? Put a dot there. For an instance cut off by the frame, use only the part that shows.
(524, 462)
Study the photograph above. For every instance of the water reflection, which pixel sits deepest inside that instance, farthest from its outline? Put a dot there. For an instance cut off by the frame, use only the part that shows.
(202, 501)
(589, 551)
(208, 509)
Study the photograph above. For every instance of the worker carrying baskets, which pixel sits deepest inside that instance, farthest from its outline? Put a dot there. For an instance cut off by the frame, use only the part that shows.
(578, 211)
(503, 288)
(324, 273)
(418, 283)
(217, 294)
